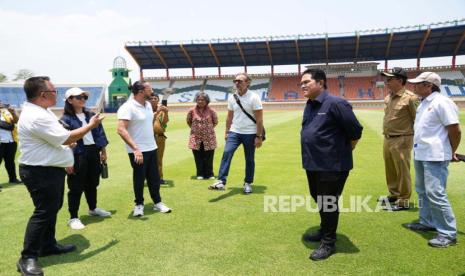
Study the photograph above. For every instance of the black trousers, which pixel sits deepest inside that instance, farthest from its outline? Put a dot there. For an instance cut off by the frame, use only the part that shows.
(86, 178)
(204, 161)
(8, 153)
(147, 170)
(46, 187)
(325, 189)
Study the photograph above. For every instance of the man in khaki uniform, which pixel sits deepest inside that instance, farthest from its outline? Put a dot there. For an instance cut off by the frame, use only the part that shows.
(399, 116)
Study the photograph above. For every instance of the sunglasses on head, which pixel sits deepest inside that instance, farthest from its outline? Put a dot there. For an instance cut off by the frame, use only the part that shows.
(81, 97)
(397, 70)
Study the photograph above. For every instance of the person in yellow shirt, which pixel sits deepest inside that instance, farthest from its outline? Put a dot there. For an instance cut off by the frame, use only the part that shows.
(8, 140)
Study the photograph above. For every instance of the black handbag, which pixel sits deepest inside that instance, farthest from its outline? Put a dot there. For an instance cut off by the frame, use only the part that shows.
(104, 171)
(248, 115)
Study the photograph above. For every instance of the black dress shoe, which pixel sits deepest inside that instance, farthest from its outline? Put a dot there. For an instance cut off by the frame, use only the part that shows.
(322, 252)
(313, 237)
(58, 249)
(162, 181)
(29, 267)
(16, 181)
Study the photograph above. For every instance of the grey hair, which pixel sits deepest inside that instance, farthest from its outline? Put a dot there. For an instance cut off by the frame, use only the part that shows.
(204, 95)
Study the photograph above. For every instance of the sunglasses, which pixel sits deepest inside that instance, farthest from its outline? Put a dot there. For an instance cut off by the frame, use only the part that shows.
(238, 81)
(81, 97)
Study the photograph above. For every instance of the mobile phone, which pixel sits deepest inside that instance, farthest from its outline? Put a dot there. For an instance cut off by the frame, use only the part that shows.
(164, 102)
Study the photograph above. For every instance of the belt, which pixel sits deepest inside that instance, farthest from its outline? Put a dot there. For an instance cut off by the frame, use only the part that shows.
(396, 136)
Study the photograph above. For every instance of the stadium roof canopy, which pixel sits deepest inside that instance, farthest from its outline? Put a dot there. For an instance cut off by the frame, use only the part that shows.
(412, 42)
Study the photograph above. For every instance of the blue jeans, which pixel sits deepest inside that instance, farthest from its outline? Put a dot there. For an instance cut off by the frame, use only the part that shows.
(232, 143)
(435, 209)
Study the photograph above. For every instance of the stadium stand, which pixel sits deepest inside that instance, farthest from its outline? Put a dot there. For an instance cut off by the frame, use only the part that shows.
(218, 89)
(14, 95)
(364, 85)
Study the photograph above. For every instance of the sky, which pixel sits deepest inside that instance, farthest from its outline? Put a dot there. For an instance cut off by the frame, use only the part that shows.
(77, 41)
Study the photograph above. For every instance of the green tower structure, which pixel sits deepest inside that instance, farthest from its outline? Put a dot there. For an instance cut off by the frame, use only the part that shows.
(118, 91)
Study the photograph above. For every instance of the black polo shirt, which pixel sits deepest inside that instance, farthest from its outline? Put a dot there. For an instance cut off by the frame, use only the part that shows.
(328, 127)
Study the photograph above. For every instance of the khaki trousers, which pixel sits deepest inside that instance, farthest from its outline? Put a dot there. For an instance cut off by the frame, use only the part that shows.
(397, 153)
(160, 139)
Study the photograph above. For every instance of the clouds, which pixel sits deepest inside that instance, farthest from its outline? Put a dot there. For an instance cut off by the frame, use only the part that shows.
(72, 47)
(77, 41)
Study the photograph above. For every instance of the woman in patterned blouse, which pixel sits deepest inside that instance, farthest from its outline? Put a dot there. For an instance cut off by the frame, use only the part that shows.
(202, 121)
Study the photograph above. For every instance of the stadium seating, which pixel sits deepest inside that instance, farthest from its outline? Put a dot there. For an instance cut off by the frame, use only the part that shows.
(287, 88)
(15, 95)
(217, 89)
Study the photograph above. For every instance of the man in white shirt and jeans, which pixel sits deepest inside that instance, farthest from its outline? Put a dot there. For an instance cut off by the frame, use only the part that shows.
(45, 155)
(135, 118)
(240, 129)
(436, 138)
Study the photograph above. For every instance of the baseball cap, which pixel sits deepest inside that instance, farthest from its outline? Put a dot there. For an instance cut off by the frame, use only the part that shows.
(395, 72)
(430, 77)
(75, 91)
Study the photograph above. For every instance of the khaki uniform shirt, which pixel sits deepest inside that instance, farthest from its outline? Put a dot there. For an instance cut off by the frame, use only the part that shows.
(399, 113)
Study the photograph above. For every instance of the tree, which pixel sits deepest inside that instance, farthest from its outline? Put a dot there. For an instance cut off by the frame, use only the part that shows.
(3, 78)
(23, 74)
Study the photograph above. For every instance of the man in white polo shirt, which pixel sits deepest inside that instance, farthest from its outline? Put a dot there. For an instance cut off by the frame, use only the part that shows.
(135, 127)
(240, 129)
(437, 136)
(45, 153)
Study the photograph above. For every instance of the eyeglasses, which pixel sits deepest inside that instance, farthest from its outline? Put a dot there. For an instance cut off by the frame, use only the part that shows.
(80, 97)
(51, 91)
(238, 81)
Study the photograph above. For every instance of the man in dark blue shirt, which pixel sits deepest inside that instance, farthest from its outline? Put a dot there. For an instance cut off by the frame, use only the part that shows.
(329, 133)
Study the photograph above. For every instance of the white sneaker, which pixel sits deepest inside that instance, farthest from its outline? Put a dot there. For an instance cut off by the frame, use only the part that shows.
(247, 188)
(138, 211)
(161, 207)
(218, 185)
(199, 177)
(76, 224)
(99, 212)
(212, 178)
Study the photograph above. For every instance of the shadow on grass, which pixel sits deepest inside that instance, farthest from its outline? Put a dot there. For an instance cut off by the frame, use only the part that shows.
(77, 256)
(95, 219)
(167, 184)
(257, 189)
(7, 185)
(427, 235)
(343, 243)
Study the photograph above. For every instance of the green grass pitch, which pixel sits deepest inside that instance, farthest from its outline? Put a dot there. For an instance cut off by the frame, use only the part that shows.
(211, 232)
